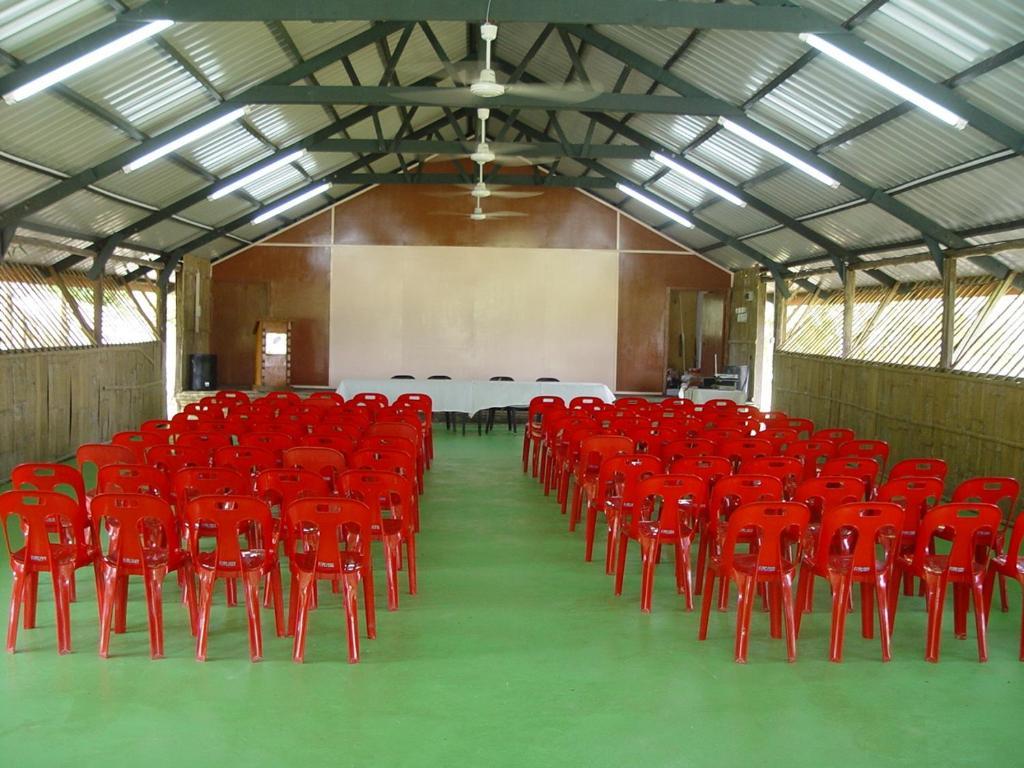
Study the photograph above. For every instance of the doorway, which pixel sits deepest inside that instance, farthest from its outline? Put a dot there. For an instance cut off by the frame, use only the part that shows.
(694, 333)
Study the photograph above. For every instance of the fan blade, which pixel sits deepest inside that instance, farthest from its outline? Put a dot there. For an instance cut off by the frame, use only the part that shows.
(464, 193)
(504, 214)
(572, 93)
(522, 160)
(442, 97)
(450, 213)
(515, 195)
(465, 74)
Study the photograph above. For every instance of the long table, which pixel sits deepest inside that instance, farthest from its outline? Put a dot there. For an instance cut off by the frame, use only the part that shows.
(701, 396)
(464, 396)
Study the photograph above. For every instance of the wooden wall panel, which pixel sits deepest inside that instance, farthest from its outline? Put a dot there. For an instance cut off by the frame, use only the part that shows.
(973, 423)
(644, 280)
(636, 237)
(278, 282)
(412, 215)
(52, 402)
(316, 230)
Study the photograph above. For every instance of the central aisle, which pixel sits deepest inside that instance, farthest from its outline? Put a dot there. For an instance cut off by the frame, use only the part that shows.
(515, 653)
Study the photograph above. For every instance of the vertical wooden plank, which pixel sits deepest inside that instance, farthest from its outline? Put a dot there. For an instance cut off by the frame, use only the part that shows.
(97, 311)
(948, 313)
(849, 296)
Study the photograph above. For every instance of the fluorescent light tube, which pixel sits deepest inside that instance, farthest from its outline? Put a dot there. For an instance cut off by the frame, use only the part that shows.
(291, 203)
(697, 178)
(249, 178)
(85, 61)
(882, 79)
(650, 203)
(779, 152)
(181, 141)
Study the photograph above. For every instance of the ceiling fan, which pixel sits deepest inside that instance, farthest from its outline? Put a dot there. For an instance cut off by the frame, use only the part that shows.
(479, 214)
(484, 83)
(481, 189)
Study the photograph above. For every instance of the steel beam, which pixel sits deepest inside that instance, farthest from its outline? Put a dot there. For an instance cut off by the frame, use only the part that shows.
(647, 13)
(463, 98)
(531, 149)
(513, 180)
(112, 165)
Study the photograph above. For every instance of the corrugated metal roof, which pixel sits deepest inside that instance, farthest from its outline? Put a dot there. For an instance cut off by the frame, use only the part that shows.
(978, 197)
(148, 88)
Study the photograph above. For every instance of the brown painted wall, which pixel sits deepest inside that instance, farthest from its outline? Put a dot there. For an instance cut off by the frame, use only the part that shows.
(288, 276)
(275, 282)
(644, 280)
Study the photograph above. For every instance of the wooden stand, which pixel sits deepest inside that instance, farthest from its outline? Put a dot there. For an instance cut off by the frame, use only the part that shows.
(273, 354)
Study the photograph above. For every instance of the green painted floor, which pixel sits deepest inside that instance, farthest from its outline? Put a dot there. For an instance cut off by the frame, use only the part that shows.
(515, 653)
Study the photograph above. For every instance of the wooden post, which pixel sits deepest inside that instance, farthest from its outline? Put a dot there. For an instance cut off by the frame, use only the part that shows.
(780, 319)
(849, 297)
(97, 311)
(948, 314)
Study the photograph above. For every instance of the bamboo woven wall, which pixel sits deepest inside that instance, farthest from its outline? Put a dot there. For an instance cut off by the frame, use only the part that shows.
(974, 423)
(51, 402)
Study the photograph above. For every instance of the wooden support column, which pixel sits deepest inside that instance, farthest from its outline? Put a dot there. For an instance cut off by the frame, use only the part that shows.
(780, 320)
(849, 296)
(97, 311)
(948, 315)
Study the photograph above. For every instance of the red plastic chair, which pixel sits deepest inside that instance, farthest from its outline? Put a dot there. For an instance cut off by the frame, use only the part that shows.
(835, 435)
(787, 469)
(272, 441)
(594, 451)
(1001, 491)
(776, 527)
(192, 482)
(972, 529)
(687, 447)
(335, 545)
(38, 513)
(157, 426)
(133, 550)
(338, 441)
(615, 490)
(230, 517)
(803, 427)
(1008, 564)
(720, 436)
(719, 404)
(248, 461)
(738, 451)
(334, 397)
(866, 449)
(233, 397)
(710, 469)
(863, 528)
(821, 495)
(919, 468)
(668, 507)
(866, 470)
(208, 440)
(326, 462)
(133, 478)
(392, 443)
(280, 487)
(568, 433)
(219, 427)
(373, 399)
(915, 495)
(781, 438)
(532, 435)
(280, 397)
(813, 454)
(423, 406)
(392, 503)
(184, 422)
(138, 442)
(101, 455)
(727, 495)
(52, 477)
(565, 455)
(171, 458)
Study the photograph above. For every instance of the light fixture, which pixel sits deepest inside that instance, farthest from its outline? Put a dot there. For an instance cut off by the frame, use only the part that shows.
(654, 204)
(291, 202)
(227, 189)
(779, 152)
(181, 141)
(696, 177)
(85, 61)
(882, 79)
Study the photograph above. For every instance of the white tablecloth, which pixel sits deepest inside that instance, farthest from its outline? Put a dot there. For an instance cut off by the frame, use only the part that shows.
(471, 397)
(701, 396)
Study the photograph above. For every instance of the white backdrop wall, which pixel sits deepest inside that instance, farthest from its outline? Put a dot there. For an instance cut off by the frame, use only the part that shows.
(473, 313)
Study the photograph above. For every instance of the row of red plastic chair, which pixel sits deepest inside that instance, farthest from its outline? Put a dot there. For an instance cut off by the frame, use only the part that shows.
(658, 497)
(387, 450)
